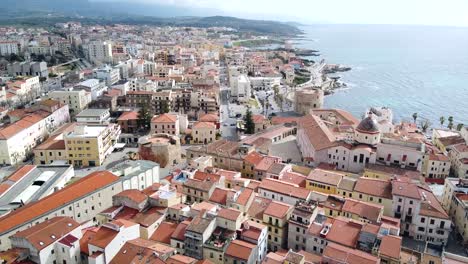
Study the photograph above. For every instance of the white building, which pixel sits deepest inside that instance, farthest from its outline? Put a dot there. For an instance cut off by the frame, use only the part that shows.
(422, 216)
(108, 240)
(9, 47)
(107, 74)
(94, 86)
(264, 83)
(77, 100)
(52, 241)
(401, 151)
(240, 88)
(93, 116)
(384, 118)
(82, 201)
(99, 52)
(18, 139)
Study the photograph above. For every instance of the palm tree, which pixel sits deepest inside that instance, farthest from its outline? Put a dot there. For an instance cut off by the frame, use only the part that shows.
(460, 126)
(450, 124)
(415, 116)
(442, 120)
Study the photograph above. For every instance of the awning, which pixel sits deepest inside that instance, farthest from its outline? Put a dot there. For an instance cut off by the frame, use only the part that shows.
(119, 145)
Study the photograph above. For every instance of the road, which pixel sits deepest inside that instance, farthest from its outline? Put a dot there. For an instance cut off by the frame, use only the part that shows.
(315, 75)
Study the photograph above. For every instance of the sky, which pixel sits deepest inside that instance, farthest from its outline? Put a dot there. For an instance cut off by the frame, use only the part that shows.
(419, 12)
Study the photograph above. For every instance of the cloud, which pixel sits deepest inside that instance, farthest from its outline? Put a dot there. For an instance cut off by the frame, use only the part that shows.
(426, 12)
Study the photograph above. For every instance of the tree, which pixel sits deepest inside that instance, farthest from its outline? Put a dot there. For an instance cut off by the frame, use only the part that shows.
(280, 101)
(165, 107)
(276, 89)
(415, 116)
(450, 124)
(442, 120)
(249, 124)
(144, 117)
(425, 125)
(460, 126)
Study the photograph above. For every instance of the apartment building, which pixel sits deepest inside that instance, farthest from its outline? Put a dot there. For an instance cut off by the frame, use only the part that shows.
(275, 217)
(99, 52)
(47, 242)
(9, 47)
(422, 216)
(107, 74)
(89, 145)
(33, 125)
(459, 160)
(93, 116)
(77, 100)
(93, 86)
(81, 201)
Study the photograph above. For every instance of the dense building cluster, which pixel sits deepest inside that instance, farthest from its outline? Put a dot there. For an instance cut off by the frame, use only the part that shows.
(180, 145)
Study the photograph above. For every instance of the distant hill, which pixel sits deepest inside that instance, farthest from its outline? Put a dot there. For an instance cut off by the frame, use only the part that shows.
(49, 12)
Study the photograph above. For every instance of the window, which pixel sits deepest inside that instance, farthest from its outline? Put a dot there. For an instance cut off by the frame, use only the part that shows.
(421, 229)
(423, 219)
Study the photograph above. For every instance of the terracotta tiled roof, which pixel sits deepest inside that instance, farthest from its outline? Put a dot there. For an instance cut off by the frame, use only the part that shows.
(341, 254)
(148, 217)
(326, 177)
(365, 210)
(375, 187)
(79, 189)
(253, 158)
(285, 188)
(277, 209)
(229, 214)
(128, 116)
(88, 234)
(203, 125)
(180, 259)
(140, 251)
(240, 250)
(344, 232)
(390, 247)
(21, 172)
(164, 118)
(209, 118)
(219, 196)
(48, 232)
(258, 207)
(244, 196)
(164, 232)
(258, 118)
(179, 232)
(135, 195)
(103, 237)
(317, 132)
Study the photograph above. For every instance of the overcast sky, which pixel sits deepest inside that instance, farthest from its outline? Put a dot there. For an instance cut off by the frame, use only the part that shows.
(425, 12)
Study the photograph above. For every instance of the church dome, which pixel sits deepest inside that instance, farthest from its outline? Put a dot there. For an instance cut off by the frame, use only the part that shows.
(368, 125)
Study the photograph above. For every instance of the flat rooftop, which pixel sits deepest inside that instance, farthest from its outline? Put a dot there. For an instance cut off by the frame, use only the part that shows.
(32, 186)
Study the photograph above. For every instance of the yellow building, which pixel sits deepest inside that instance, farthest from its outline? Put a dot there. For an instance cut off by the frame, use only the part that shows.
(459, 214)
(276, 217)
(323, 181)
(204, 133)
(89, 145)
(375, 191)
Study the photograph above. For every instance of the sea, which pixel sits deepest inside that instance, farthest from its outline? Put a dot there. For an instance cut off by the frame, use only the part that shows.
(411, 69)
